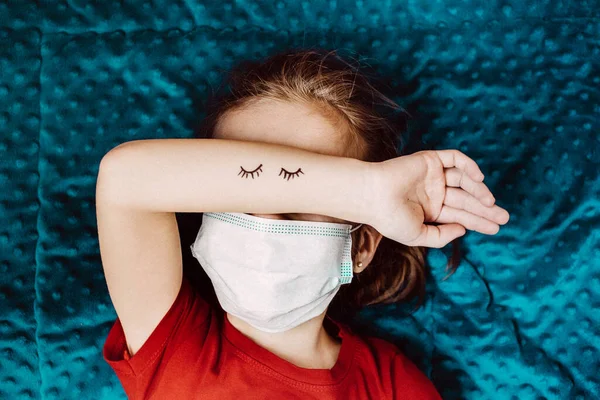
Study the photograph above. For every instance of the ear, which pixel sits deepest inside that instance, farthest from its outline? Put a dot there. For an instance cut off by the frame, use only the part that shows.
(368, 240)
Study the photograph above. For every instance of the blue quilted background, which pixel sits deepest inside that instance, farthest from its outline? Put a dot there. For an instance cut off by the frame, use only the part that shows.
(513, 84)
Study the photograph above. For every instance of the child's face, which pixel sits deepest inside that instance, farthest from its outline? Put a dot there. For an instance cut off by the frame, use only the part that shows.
(288, 124)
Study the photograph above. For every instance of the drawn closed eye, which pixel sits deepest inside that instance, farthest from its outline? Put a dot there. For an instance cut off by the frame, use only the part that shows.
(290, 174)
(246, 173)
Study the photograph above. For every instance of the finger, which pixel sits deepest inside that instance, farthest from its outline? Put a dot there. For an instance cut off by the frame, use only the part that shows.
(468, 220)
(438, 236)
(458, 178)
(455, 158)
(458, 198)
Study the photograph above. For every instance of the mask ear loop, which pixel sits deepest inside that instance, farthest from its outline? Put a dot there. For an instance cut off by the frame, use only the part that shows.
(352, 230)
(357, 274)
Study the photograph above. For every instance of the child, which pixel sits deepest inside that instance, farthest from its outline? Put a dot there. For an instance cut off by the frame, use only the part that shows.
(304, 198)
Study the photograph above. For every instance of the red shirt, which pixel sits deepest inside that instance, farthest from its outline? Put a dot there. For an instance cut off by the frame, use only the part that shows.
(195, 353)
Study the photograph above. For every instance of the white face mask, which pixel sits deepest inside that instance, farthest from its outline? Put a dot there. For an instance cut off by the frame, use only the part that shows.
(273, 274)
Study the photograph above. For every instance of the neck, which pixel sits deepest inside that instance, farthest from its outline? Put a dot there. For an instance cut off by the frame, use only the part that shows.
(307, 346)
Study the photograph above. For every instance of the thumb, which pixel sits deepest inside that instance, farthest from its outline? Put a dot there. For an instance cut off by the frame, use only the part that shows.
(440, 235)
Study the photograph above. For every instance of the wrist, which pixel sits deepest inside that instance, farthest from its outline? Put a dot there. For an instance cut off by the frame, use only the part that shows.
(367, 191)
(353, 201)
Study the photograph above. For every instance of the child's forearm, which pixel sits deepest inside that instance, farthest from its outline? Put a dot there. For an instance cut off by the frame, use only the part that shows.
(206, 175)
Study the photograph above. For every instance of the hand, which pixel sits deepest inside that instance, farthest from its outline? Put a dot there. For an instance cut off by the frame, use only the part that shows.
(441, 186)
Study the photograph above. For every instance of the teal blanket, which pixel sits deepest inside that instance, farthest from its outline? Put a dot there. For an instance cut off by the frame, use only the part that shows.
(513, 84)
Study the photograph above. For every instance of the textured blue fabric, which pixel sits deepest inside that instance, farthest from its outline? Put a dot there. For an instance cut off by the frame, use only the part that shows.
(513, 84)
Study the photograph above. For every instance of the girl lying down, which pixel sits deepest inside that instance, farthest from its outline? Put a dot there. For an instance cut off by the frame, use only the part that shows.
(304, 199)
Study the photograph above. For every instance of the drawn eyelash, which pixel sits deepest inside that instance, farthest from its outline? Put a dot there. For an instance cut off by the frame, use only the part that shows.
(246, 173)
(290, 174)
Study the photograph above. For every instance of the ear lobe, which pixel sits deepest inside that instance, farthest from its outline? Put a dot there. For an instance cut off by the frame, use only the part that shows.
(359, 267)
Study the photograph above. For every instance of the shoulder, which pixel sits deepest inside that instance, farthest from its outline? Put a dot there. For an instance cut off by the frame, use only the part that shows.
(188, 312)
(410, 382)
(398, 373)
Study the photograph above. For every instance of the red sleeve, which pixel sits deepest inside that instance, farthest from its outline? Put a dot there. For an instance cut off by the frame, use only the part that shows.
(188, 312)
(409, 382)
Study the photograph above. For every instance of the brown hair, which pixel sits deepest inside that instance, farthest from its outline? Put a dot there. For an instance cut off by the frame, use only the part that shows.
(373, 129)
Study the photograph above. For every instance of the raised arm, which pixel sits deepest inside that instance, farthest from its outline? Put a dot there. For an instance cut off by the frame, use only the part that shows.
(218, 175)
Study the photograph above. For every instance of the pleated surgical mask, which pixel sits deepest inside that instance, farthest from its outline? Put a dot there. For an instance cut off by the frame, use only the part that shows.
(273, 274)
